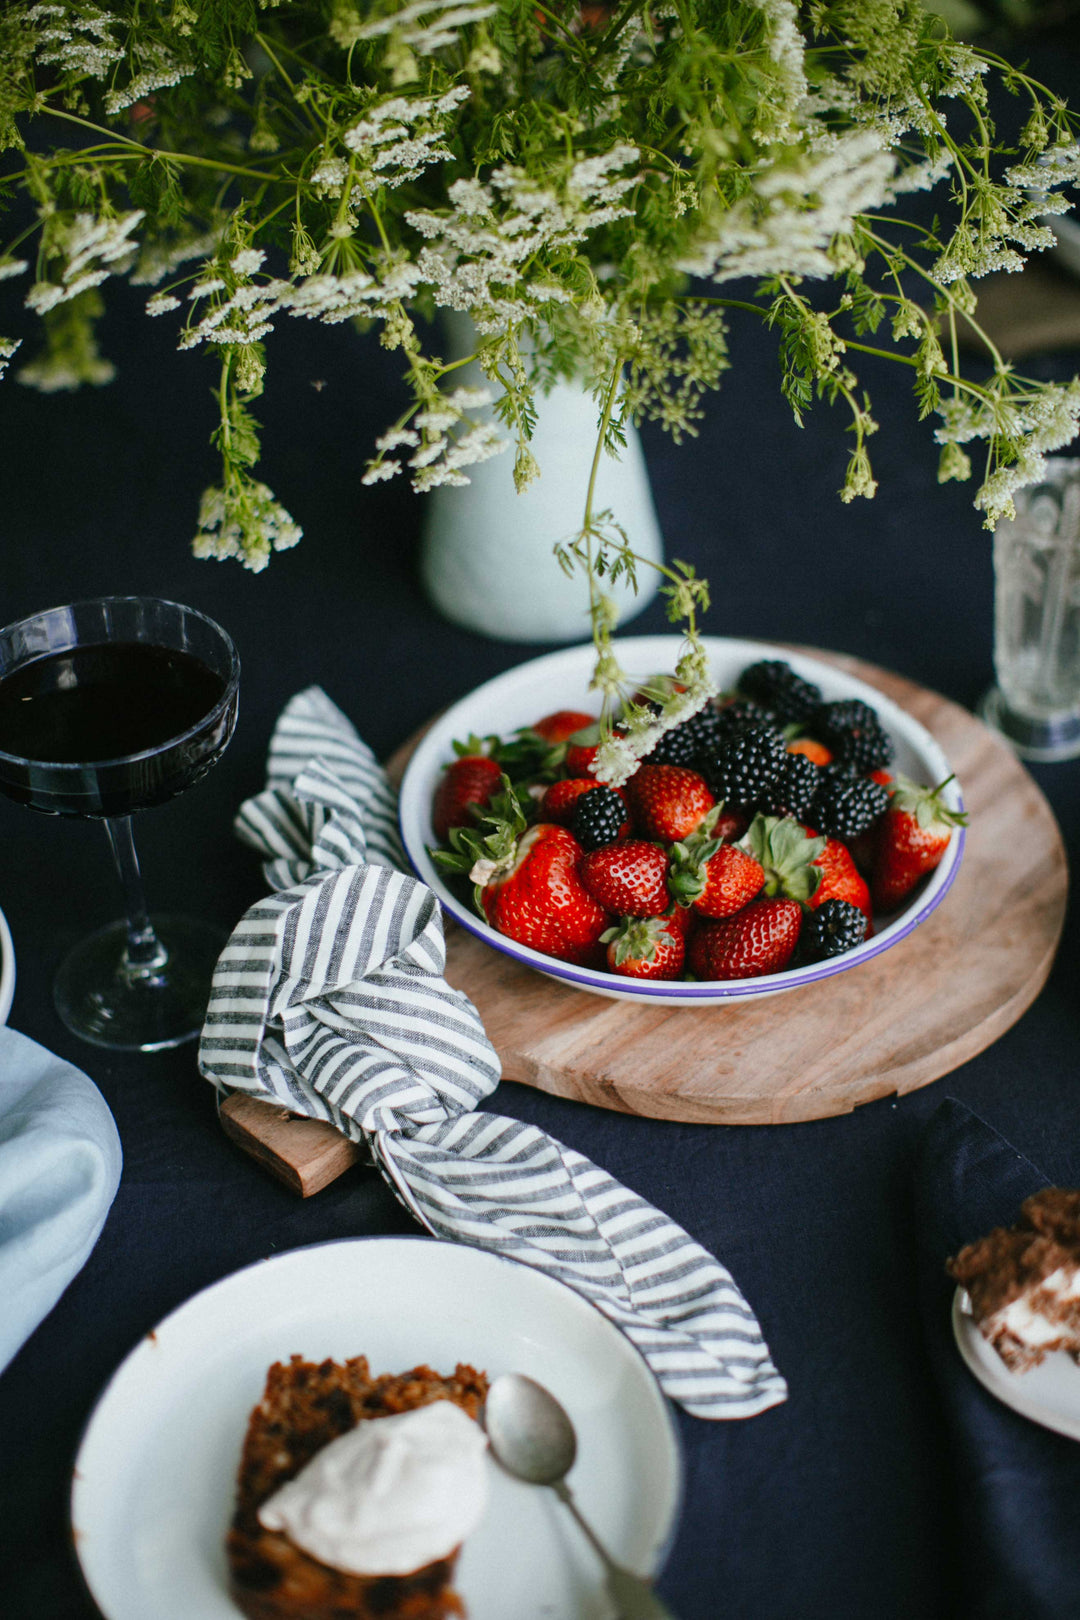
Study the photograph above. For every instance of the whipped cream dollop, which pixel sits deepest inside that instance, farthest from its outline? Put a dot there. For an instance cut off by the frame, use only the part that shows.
(391, 1495)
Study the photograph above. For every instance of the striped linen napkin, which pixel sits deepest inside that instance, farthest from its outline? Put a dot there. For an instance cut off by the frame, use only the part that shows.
(329, 1000)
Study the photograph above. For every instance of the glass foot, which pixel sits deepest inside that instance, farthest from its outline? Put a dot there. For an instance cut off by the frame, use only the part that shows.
(1039, 740)
(102, 999)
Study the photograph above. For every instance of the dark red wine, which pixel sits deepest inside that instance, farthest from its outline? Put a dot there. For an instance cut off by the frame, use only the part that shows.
(76, 717)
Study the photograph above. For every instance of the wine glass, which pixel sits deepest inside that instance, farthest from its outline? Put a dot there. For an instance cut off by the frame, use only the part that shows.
(108, 707)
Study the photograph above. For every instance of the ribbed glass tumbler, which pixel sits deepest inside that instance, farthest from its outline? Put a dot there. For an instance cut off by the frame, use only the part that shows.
(1035, 702)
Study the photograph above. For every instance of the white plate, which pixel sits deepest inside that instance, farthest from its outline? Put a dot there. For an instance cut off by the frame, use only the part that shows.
(1048, 1394)
(155, 1475)
(7, 969)
(560, 680)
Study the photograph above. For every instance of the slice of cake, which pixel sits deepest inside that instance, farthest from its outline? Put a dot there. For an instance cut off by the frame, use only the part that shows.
(1023, 1281)
(307, 1407)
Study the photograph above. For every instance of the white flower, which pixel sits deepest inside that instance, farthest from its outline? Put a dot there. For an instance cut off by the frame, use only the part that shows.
(92, 249)
(156, 260)
(1057, 166)
(12, 267)
(785, 224)
(246, 522)
(616, 760)
(379, 470)
(54, 374)
(247, 262)
(156, 69)
(394, 438)
(7, 349)
(425, 26)
(161, 304)
(78, 41)
(328, 179)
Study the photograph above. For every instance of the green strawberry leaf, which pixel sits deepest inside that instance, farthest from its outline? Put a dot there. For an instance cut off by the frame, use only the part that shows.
(926, 804)
(786, 853)
(497, 849)
(637, 937)
(689, 858)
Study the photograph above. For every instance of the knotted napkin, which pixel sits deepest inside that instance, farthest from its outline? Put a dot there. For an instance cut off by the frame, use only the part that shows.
(59, 1170)
(1017, 1484)
(329, 1000)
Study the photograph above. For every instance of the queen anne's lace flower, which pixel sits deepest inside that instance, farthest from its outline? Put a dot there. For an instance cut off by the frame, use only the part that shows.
(245, 522)
(90, 250)
(457, 155)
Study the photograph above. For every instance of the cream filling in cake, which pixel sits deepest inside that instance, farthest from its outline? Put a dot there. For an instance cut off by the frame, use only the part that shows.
(391, 1495)
(1024, 1323)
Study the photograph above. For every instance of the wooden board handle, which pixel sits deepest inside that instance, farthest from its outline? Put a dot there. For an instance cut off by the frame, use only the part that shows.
(306, 1154)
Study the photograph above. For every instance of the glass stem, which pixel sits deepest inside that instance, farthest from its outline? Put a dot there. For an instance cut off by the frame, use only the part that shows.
(144, 954)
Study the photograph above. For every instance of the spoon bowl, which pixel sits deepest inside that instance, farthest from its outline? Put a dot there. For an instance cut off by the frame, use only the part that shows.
(529, 1432)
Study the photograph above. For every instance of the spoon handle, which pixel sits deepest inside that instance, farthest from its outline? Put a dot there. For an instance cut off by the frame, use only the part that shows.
(634, 1597)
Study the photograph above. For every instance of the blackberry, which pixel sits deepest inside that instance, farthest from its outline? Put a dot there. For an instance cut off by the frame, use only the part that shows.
(854, 733)
(745, 767)
(795, 790)
(847, 805)
(739, 715)
(775, 685)
(835, 927)
(599, 818)
(698, 735)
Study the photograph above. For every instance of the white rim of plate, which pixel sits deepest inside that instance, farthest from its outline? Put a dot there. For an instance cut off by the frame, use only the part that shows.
(7, 970)
(81, 1481)
(416, 832)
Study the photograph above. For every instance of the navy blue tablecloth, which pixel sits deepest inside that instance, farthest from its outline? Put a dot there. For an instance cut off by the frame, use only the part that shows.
(846, 1502)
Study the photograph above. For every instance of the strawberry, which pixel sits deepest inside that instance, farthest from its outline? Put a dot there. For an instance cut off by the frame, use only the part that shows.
(468, 782)
(628, 879)
(668, 802)
(680, 920)
(914, 835)
(582, 748)
(560, 726)
(645, 948)
(802, 865)
(526, 881)
(841, 879)
(540, 900)
(714, 878)
(815, 751)
(759, 939)
(560, 800)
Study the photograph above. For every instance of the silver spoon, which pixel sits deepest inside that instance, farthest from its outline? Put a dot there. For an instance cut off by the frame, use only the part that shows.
(533, 1438)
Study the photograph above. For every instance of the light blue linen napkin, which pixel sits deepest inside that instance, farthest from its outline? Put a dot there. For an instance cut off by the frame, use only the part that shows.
(59, 1170)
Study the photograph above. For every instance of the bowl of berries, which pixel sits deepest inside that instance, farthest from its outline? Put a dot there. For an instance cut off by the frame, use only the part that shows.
(799, 824)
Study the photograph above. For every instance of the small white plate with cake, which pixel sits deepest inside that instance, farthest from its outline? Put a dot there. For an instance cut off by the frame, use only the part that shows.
(156, 1479)
(1016, 1312)
(1048, 1394)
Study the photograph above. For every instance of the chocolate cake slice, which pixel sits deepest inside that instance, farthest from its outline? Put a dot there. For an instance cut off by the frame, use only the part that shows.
(304, 1407)
(1023, 1281)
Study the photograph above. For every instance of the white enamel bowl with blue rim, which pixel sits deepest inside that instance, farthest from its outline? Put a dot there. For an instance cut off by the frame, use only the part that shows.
(560, 680)
(7, 969)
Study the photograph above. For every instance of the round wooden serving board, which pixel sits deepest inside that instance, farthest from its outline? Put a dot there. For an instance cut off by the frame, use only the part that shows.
(892, 1024)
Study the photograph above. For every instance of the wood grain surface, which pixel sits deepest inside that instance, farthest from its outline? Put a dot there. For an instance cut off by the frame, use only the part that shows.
(890, 1025)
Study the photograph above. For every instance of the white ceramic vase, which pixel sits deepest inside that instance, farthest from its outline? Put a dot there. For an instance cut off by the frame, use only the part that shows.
(487, 557)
